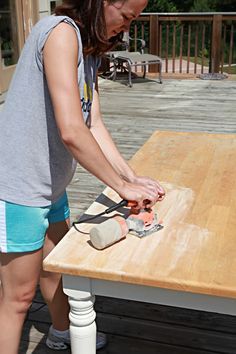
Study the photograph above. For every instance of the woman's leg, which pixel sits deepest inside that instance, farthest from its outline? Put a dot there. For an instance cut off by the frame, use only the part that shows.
(51, 284)
(19, 278)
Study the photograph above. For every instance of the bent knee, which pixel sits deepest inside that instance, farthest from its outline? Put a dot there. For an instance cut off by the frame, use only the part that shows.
(19, 301)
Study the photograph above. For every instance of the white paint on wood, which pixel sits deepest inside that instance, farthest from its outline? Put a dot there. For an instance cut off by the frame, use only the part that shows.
(81, 292)
(43, 5)
(149, 294)
(82, 325)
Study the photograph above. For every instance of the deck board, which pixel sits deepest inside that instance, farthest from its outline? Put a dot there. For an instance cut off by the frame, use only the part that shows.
(132, 115)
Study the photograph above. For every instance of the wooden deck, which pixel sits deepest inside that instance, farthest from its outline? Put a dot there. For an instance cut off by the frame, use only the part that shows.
(132, 114)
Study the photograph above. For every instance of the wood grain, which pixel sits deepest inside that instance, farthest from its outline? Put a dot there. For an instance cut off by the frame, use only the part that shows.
(196, 250)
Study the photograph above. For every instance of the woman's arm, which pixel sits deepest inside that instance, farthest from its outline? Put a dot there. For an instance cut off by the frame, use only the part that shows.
(104, 139)
(60, 57)
(111, 152)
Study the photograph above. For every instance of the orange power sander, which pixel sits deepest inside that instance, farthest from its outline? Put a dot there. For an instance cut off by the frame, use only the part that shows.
(140, 223)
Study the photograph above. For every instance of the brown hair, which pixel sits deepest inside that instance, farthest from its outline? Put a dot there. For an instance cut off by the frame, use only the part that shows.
(89, 16)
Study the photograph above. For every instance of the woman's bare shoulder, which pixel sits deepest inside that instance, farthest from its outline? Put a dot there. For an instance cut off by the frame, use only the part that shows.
(63, 36)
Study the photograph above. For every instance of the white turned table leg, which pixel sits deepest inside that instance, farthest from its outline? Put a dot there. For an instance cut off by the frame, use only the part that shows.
(82, 315)
(82, 325)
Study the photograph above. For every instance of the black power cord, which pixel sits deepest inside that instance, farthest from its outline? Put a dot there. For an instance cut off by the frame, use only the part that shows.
(107, 211)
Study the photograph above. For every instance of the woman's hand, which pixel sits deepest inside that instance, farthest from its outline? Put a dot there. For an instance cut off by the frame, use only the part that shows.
(146, 193)
(153, 184)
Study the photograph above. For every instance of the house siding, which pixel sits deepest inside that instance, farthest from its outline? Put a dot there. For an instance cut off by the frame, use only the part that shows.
(45, 7)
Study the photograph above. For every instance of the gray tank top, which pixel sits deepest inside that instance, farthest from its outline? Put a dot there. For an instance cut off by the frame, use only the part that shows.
(35, 166)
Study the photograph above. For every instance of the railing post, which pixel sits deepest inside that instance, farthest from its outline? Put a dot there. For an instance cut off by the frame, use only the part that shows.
(154, 40)
(216, 44)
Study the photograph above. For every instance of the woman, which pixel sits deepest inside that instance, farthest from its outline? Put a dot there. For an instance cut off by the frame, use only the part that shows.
(51, 119)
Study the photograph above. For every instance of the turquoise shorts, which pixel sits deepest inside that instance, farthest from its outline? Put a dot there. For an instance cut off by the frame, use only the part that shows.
(23, 228)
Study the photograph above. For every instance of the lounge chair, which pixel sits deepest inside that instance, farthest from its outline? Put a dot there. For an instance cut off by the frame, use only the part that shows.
(125, 60)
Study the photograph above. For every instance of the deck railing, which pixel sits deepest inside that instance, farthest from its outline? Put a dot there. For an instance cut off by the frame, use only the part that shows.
(190, 42)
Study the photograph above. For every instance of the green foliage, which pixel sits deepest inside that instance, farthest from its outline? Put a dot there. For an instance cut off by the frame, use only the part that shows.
(225, 5)
(160, 6)
(190, 5)
(201, 6)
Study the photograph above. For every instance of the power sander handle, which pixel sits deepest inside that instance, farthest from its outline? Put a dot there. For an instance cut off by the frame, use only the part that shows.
(122, 203)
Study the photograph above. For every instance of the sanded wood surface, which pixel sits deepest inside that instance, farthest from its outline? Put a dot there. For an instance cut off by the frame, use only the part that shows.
(132, 115)
(195, 251)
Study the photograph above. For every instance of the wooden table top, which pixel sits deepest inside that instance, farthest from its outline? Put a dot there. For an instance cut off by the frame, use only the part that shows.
(196, 249)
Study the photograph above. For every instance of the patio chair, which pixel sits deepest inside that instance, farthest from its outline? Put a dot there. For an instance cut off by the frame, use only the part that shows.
(125, 60)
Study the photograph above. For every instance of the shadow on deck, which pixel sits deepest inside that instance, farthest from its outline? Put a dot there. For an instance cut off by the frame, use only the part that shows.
(132, 115)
